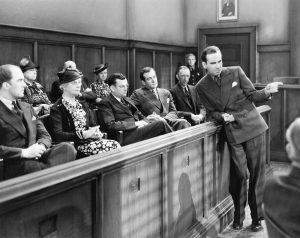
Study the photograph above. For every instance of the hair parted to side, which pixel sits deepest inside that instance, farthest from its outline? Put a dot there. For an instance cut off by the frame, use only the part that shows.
(113, 78)
(6, 72)
(293, 132)
(144, 71)
(188, 55)
(209, 50)
(182, 67)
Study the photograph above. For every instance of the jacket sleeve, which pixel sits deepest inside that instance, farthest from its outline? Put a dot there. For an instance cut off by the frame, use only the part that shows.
(42, 135)
(109, 119)
(249, 90)
(56, 120)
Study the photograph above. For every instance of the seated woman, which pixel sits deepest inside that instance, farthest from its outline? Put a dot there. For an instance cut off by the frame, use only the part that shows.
(99, 86)
(33, 93)
(74, 121)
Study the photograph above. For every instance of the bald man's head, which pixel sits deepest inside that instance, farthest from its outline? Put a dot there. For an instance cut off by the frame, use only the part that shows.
(293, 139)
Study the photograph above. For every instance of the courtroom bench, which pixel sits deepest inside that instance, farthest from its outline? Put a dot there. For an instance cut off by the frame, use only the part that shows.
(159, 187)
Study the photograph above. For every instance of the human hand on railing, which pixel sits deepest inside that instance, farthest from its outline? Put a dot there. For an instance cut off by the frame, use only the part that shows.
(141, 123)
(272, 87)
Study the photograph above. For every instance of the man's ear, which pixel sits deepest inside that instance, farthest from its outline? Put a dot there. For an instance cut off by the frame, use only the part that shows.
(177, 76)
(204, 65)
(143, 82)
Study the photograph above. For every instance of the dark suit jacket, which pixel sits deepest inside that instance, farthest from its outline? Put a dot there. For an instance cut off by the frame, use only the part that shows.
(18, 134)
(147, 103)
(235, 96)
(282, 204)
(196, 75)
(63, 128)
(182, 102)
(119, 117)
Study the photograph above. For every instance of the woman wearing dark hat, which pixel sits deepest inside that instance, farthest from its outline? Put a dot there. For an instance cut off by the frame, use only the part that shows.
(74, 121)
(99, 86)
(33, 93)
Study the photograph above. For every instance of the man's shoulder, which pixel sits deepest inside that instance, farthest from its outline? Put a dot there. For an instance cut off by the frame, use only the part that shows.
(174, 88)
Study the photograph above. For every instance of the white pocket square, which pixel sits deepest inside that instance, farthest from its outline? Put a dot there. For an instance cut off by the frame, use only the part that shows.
(234, 84)
(168, 100)
(33, 118)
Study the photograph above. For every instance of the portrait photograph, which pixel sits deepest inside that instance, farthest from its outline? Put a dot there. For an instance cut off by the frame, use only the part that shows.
(227, 10)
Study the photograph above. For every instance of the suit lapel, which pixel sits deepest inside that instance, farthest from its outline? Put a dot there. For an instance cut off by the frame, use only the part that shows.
(182, 95)
(28, 121)
(213, 91)
(118, 104)
(10, 118)
(193, 97)
(152, 99)
(226, 82)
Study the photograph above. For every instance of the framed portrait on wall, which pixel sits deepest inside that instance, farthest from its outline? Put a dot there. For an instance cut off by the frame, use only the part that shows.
(227, 10)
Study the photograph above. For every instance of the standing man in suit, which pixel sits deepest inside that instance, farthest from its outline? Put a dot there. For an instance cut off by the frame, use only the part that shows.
(195, 71)
(228, 96)
(157, 101)
(281, 194)
(24, 141)
(119, 113)
(186, 99)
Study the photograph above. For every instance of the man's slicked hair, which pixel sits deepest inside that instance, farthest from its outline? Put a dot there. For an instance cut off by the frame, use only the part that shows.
(182, 67)
(209, 50)
(6, 73)
(144, 71)
(112, 80)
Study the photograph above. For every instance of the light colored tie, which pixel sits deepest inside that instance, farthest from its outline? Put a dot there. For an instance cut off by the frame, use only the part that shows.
(155, 93)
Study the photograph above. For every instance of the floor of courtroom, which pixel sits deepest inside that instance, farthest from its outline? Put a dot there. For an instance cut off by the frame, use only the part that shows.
(276, 169)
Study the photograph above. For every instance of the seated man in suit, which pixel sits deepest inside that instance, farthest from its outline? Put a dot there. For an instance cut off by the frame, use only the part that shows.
(157, 101)
(24, 141)
(281, 194)
(118, 112)
(186, 99)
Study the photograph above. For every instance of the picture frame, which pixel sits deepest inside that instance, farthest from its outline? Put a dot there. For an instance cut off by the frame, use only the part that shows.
(227, 10)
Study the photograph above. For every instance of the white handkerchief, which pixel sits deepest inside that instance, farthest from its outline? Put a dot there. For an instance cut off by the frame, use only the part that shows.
(234, 84)
(168, 100)
(33, 118)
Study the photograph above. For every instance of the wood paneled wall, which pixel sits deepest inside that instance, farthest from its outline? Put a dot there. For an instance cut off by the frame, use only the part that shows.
(285, 109)
(50, 49)
(163, 187)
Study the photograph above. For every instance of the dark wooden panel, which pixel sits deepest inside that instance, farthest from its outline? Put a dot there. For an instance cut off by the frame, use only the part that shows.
(234, 48)
(117, 61)
(12, 51)
(86, 60)
(133, 195)
(163, 69)
(51, 59)
(67, 214)
(185, 191)
(177, 60)
(233, 40)
(142, 59)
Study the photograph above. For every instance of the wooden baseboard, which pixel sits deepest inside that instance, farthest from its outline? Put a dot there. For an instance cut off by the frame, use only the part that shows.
(218, 219)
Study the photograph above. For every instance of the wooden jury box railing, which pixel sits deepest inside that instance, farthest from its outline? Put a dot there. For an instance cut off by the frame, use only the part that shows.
(160, 187)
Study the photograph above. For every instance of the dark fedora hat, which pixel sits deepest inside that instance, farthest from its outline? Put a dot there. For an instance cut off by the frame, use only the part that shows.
(68, 75)
(26, 64)
(100, 68)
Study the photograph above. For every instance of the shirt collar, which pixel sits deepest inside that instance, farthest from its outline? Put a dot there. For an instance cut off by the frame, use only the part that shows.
(7, 103)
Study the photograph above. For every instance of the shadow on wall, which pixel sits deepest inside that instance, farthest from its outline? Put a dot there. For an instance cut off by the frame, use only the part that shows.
(187, 213)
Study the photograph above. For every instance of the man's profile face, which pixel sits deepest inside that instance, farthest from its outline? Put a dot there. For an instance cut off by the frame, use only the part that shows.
(183, 77)
(16, 85)
(213, 64)
(191, 60)
(120, 88)
(150, 80)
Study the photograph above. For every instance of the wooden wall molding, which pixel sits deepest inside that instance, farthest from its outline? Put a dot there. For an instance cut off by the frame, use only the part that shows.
(270, 48)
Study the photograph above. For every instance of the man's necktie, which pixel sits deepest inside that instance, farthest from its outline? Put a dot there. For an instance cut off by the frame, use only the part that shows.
(155, 93)
(186, 91)
(16, 109)
(218, 80)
